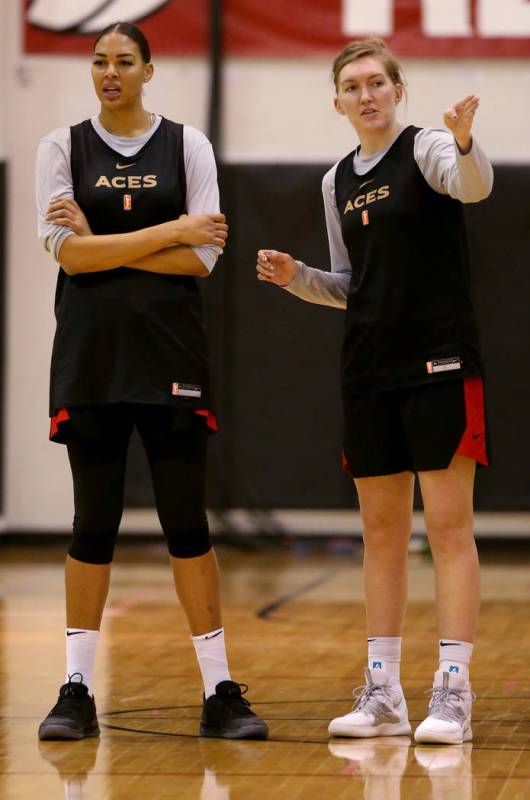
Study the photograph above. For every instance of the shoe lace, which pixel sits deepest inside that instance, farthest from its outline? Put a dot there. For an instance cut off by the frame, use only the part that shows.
(371, 697)
(238, 696)
(446, 703)
(71, 689)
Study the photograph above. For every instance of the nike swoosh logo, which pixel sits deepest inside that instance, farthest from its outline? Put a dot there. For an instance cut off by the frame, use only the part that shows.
(366, 183)
(445, 644)
(124, 166)
(73, 633)
(213, 635)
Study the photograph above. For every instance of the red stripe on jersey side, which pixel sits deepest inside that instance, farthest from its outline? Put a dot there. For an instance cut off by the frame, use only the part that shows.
(61, 416)
(211, 419)
(473, 442)
(345, 465)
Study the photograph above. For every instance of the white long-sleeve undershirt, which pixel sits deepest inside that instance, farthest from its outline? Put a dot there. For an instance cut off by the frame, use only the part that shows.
(468, 178)
(53, 179)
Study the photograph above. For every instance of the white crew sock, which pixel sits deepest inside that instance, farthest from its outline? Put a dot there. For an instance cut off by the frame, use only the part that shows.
(455, 657)
(80, 655)
(384, 652)
(211, 655)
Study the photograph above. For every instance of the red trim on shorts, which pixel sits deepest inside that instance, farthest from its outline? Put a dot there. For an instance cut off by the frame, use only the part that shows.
(61, 416)
(473, 442)
(211, 419)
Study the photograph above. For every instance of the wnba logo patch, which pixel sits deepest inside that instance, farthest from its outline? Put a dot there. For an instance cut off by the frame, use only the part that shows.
(186, 390)
(127, 202)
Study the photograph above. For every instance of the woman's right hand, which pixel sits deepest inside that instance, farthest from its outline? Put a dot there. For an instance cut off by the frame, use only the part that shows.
(66, 211)
(202, 229)
(276, 267)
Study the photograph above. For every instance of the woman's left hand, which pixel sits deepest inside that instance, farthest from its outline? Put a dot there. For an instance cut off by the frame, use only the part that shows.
(459, 120)
(65, 211)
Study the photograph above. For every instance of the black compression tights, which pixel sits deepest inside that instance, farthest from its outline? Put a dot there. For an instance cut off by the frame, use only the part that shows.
(177, 460)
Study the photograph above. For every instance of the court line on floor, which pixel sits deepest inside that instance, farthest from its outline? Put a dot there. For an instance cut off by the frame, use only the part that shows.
(274, 740)
(127, 729)
(266, 611)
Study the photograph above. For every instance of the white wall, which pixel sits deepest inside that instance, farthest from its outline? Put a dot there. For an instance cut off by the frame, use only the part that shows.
(276, 110)
(281, 110)
(3, 105)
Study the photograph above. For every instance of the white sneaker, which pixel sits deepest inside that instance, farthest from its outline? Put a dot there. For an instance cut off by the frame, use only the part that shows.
(449, 719)
(380, 710)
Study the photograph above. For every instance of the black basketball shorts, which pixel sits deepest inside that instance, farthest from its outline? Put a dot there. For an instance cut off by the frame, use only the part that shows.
(416, 428)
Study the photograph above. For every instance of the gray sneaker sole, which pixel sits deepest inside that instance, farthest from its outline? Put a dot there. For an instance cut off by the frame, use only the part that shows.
(432, 737)
(63, 729)
(365, 732)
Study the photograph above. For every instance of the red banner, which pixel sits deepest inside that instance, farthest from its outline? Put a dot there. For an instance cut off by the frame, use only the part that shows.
(174, 27)
(296, 28)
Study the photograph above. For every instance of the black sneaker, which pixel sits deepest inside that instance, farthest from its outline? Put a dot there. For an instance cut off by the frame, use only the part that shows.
(227, 715)
(74, 715)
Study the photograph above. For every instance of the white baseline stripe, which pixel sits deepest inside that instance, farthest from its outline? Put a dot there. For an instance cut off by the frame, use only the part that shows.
(322, 522)
(318, 522)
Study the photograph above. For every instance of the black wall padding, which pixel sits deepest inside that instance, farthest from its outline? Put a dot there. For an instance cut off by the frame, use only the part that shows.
(276, 358)
(499, 238)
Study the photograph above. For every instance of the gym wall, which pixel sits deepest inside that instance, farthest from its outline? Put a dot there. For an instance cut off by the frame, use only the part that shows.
(275, 357)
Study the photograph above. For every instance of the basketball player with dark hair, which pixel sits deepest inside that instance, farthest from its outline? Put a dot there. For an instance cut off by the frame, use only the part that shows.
(412, 374)
(129, 206)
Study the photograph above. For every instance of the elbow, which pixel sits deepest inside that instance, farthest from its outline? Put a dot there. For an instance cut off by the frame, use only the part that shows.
(70, 265)
(70, 269)
(479, 195)
(75, 260)
(488, 188)
(205, 260)
(203, 269)
(68, 259)
(483, 196)
(484, 191)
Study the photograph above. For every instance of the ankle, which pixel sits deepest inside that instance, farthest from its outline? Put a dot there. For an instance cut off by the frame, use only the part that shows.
(384, 653)
(455, 657)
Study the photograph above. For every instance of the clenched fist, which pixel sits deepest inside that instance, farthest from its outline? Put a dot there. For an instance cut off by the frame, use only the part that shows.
(275, 267)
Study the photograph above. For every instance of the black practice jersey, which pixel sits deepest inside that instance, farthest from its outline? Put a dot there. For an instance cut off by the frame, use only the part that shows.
(409, 318)
(126, 335)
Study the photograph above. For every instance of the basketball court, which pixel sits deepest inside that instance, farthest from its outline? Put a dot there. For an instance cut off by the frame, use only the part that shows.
(294, 622)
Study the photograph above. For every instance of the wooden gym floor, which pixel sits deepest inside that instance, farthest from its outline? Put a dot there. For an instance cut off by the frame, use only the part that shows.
(295, 629)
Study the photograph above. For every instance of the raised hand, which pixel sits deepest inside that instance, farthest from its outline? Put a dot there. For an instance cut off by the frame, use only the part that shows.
(202, 229)
(275, 267)
(65, 211)
(459, 120)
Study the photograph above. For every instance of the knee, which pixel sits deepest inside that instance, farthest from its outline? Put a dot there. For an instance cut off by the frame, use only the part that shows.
(386, 531)
(188, 542)
(93, 539)
(450, 531)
